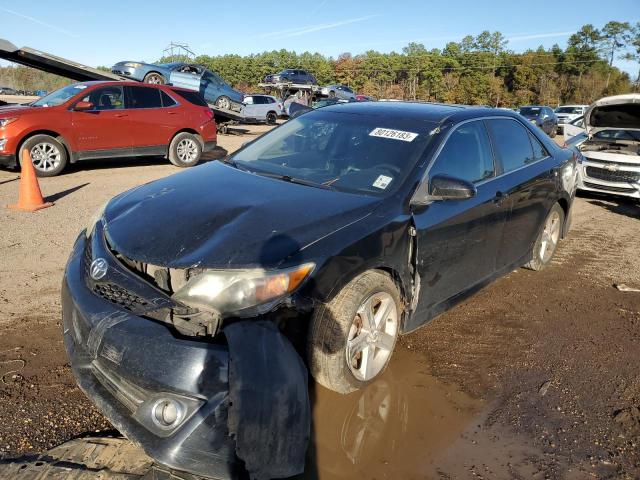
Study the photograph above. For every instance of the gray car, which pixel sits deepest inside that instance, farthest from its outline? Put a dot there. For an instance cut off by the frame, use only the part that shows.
(338, 91)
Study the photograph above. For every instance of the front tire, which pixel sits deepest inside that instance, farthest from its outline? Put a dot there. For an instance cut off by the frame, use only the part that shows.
(547, 241)
(48, 155)
(352, 337)
(185, 150)
(154, 78)
(554, 132)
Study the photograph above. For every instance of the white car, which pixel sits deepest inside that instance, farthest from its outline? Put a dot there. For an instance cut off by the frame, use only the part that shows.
(567, 113)
(338, 91)
(261, 108)
(611, 147)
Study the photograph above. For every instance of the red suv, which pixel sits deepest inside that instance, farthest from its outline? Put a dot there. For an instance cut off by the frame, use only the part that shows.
(107, 119)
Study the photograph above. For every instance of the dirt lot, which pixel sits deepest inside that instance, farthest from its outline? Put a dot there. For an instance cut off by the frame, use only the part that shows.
(537, 376)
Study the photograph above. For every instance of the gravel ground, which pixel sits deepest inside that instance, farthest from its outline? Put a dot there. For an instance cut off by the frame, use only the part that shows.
(551, 356)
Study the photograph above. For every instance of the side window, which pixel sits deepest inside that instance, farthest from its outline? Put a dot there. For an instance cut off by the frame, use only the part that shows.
(108, 98)
(270, 100)
(466, 155)
(511, 143)
(539, 151)
(248, 100)
(167, 101)
(144, 97)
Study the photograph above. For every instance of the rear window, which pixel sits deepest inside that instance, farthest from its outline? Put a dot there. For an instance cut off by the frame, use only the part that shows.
(530, 111)
(167, 101)
(144, 97)
(192, 97)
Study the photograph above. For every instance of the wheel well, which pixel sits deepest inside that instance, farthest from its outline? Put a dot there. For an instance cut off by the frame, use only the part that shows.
(395, 276)
(152, 71)
(51, 133)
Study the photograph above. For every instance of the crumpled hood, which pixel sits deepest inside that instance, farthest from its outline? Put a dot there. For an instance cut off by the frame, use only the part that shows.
(617, 112)
(217, 216)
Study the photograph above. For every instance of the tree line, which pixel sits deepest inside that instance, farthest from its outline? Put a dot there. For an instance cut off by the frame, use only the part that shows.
(479, 70)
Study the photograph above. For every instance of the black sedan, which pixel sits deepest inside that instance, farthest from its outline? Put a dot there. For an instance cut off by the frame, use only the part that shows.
(186, 299)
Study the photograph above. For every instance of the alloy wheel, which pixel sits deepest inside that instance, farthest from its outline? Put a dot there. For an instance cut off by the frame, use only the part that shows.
(155, 79)
(187, 150)
(550, 236)
(372, 336)
(45, 156)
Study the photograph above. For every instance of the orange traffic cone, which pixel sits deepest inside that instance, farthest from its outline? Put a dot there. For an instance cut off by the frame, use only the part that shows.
(29, 196)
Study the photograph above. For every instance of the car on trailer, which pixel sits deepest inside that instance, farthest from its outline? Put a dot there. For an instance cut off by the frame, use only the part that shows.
(211, 86)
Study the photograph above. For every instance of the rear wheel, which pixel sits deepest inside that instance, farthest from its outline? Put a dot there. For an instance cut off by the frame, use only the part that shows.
(185, 150)
(553, 132)
(352, 337)
(223, 102)
(272, 117)
(547, 241)
(154, 78)
(48, 155)
(332, 94)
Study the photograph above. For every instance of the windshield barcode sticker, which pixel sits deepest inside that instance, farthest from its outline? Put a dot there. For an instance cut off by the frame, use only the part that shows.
(382, 182)
(393, 134)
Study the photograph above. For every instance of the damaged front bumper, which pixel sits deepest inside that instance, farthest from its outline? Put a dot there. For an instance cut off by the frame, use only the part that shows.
(216, 408)
(132, 368)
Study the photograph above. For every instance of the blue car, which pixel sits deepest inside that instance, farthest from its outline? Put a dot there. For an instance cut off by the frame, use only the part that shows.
(193, 77)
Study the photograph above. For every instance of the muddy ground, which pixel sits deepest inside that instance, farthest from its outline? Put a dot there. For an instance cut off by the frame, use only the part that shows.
(536, 376)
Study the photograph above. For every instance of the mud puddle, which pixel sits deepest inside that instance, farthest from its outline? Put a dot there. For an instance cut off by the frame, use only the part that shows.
(397, 427)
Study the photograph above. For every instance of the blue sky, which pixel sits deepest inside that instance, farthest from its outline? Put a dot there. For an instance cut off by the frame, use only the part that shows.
(102, 33)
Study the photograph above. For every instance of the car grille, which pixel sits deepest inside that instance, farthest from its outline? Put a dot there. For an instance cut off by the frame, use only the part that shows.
(119, 296)
(612, 176)
(608, 188)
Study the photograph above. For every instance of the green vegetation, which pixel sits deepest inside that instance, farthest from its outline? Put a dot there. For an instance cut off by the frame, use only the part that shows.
(476, 70)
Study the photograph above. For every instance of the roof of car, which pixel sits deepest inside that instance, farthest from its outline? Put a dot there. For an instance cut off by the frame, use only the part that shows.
(435, 112)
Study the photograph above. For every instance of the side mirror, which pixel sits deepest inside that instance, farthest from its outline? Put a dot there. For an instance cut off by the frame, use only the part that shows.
(443, 187)
(83, 106)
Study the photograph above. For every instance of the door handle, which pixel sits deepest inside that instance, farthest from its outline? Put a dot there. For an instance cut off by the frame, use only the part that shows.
(500, 197)
(120, 115)
(172, 113)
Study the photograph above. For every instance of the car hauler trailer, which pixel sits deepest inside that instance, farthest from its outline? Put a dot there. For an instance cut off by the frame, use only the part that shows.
(47, 62)
(50, 63)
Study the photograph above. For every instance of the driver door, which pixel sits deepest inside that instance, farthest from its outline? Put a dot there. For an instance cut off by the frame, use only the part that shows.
(187, 77)
(106, 128)
(458, 240)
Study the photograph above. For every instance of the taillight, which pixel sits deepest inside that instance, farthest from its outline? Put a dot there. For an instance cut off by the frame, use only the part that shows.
(209, 113)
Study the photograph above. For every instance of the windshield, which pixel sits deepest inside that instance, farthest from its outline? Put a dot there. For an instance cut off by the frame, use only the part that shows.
(530, 111)
(59, 96)
(570, 110)
(346, 151)
(629, 135)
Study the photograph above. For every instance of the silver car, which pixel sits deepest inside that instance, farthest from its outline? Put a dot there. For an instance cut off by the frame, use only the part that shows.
(262, 108)
(338, 91)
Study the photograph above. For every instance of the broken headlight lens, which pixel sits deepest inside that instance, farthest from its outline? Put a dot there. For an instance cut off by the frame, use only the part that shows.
(97, 215)
(233, 291)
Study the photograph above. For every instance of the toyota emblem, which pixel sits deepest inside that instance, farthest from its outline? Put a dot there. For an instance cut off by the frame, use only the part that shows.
(98, 268)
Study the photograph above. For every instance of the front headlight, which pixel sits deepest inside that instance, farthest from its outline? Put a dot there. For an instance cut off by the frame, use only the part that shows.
(97, 215)
(533, 121)
(133, 64)
(233, 291)
(6, 121)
